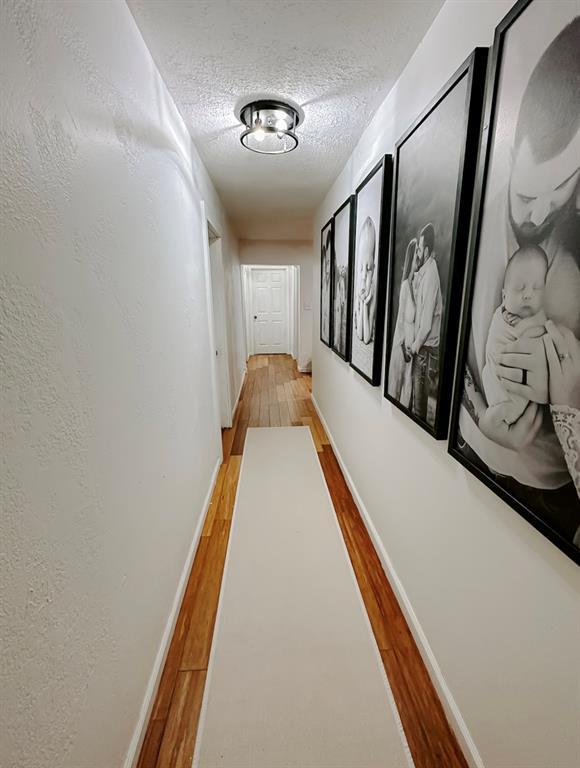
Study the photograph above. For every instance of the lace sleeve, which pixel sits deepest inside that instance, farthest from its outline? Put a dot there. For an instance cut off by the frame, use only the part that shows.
(567, 426)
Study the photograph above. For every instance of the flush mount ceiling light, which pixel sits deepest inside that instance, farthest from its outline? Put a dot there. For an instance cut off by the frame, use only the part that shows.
(270, 127)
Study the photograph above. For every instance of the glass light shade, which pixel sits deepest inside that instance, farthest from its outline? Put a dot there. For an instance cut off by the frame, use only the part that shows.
(269, 127)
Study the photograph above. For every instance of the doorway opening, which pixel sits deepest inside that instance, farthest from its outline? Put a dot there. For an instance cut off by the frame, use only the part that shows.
(218, 326)
(271, 296)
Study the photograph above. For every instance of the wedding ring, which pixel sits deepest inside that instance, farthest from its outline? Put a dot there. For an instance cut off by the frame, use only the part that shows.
(563, 355)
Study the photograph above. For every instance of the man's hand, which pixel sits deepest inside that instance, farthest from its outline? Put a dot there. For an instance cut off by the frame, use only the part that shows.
(563, 353)
(514, 436)
(523, 369)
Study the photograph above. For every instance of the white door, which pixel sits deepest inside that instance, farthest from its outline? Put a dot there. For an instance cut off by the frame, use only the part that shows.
(269, 311)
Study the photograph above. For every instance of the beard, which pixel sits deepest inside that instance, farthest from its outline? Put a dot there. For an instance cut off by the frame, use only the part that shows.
(527, 233)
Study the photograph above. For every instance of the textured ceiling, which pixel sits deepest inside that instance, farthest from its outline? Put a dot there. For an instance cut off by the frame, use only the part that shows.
(337, 60)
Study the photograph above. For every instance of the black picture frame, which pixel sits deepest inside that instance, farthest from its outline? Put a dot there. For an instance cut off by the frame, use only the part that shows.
(480, 470)
(349, 203)
(473, 70)
(384, 167)
(328, 227)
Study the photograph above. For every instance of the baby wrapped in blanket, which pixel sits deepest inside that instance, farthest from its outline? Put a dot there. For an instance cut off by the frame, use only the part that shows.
(520, 310)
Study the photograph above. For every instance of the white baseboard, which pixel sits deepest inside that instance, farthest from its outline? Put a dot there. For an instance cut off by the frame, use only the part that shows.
(155, 678)
(305, 368)
(449, 704)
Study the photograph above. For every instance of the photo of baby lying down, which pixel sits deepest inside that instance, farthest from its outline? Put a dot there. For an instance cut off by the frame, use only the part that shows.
(520, 314)
(368, 272)
(366, 285)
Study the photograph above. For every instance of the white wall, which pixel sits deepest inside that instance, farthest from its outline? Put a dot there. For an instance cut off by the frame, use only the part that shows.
(234, 315)
(284, 252)
(498, 603)
(108, 436)
(220, 223)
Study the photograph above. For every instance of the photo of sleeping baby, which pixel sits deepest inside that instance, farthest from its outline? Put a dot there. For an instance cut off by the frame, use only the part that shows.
(520, 314)
(369, 275)
(365, 298)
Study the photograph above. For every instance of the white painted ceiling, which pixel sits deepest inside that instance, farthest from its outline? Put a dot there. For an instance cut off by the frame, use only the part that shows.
(337, 59)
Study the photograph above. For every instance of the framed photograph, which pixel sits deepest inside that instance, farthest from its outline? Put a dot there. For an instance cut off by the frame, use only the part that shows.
(342, 277)
(326, 259)
(516, 406)
(433, 187)
(373, 206)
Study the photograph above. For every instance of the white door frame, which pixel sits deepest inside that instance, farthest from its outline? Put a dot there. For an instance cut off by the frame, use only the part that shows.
(294, 309)
(293, 305)
(219, 368)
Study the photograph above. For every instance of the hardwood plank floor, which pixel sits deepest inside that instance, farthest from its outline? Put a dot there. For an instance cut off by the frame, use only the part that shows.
(275, 393)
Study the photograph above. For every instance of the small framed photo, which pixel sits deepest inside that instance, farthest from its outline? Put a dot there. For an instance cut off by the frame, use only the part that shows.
(342, 277)
(326, 259)
(434, 172)
(516, 408)
(373, 206)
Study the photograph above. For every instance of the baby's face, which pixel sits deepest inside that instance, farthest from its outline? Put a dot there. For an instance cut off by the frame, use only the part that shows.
(523, 290)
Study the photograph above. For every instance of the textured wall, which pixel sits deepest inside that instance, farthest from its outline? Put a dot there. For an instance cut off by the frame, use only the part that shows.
(498, 603)
(284, 252)
(234, 315)
(108, 438)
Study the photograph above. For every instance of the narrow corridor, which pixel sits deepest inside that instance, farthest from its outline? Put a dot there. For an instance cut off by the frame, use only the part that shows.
(208, 557)
(275, 393)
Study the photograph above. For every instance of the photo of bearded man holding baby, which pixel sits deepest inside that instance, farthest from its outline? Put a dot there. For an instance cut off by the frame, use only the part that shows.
(517, 413)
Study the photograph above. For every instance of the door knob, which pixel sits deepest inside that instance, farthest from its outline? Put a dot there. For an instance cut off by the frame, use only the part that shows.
(255, 317)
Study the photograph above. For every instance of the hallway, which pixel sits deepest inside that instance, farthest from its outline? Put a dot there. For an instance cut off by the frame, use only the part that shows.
(233, 231)
(276, 394)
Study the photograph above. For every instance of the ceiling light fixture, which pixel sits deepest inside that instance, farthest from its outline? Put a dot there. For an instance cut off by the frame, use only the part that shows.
(270, 127)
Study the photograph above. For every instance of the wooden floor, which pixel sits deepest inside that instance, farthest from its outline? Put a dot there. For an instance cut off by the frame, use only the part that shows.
(276, 394)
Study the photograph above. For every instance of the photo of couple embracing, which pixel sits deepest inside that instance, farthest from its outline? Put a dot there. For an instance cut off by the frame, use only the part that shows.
(430, 215)
(414, 365)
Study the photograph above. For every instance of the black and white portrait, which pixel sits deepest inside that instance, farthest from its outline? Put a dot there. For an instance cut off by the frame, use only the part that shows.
(342, 270)
(369, 278)
(427, 262)
(516, 418)
(413, 377)
(326, 251)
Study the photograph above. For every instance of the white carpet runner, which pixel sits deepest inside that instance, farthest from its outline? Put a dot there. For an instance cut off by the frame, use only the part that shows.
(295, 677)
